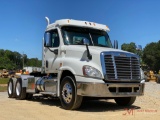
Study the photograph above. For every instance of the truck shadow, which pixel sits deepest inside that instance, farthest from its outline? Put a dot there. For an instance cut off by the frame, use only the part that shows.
(47, 101)
(88, 105)
(103, 105)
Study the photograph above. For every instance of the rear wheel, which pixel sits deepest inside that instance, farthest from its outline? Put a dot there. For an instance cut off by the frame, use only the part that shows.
(20, 91)
(68, 94)
(125, 101)
(10, 89)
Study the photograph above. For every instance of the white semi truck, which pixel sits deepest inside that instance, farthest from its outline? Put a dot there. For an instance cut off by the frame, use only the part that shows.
(78, 60)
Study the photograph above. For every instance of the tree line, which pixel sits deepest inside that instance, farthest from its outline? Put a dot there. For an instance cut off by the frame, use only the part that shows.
(149, 56)
(14, 60)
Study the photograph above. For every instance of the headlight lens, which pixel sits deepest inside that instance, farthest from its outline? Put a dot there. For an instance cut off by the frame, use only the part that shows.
(142, 74)
(91, 72)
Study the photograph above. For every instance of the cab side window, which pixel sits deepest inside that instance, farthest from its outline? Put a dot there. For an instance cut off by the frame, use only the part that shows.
(54, 38)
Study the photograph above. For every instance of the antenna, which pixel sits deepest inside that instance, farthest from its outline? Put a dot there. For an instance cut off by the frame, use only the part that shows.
(47, 19)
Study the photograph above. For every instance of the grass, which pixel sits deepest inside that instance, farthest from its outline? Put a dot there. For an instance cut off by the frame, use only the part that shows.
(3, 88)
(4, 80)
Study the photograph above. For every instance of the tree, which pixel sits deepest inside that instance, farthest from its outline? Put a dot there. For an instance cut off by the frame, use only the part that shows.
(131, 47)
(151, 55)
(6, 63)
(1, 52)
(34, 62)
(15, 60)
(18, 60)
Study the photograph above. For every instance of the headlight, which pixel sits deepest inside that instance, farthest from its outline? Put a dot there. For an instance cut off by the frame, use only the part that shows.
(91, 72)
(142, 74)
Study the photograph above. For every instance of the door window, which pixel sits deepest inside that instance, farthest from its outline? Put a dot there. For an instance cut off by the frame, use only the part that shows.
(53, 38)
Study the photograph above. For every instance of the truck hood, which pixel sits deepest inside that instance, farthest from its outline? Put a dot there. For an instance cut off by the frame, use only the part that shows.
(76, 57)
(92, 49)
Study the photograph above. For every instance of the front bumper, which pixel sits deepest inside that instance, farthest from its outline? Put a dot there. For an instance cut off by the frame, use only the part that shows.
(98, 88)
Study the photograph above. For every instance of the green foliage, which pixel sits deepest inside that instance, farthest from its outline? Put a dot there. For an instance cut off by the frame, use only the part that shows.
(151, 55)
(14, 60)
(34, 62)
(129, 47)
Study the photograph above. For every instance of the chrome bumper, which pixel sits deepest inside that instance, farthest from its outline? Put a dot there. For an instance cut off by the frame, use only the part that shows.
(94, 89)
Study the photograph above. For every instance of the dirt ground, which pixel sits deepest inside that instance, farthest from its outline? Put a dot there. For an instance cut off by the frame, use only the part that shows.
(145, 107)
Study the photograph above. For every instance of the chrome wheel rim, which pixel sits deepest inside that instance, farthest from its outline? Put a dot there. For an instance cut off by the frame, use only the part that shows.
(67, 93)
(10, 88)
(18, 89)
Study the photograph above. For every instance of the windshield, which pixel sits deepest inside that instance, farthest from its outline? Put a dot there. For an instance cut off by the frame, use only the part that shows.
(75, 36)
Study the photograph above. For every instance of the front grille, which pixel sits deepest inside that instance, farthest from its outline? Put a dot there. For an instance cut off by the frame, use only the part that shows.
(122, 67)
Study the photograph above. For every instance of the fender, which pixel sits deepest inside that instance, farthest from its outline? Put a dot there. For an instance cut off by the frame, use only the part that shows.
(24, 79)
(67, 68)
(59, 76)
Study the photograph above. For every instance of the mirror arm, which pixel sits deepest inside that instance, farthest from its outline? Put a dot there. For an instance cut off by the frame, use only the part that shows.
(88, 53)
(54, 51)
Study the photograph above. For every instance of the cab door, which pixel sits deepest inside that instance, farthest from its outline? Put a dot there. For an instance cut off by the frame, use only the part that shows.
(51, 51)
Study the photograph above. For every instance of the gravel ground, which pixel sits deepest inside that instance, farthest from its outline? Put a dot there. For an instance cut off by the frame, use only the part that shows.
(145, 107)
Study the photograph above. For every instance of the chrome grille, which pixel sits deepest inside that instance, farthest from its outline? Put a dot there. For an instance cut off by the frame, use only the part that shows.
(109, 66)
(120, 67)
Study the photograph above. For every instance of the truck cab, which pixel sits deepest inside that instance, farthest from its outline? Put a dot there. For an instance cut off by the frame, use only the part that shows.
(81, 61)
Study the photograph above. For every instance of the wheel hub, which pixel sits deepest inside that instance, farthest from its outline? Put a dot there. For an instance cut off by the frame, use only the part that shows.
(67, 93)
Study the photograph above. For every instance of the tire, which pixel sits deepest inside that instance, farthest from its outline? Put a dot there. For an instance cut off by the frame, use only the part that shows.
(125, 101)
(20, 91)
(10, 89)
(68, 94)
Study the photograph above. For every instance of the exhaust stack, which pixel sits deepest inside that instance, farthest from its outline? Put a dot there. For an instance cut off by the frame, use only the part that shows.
(47, 19)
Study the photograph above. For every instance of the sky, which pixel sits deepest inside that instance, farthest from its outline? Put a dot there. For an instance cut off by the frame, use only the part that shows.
(22, 22)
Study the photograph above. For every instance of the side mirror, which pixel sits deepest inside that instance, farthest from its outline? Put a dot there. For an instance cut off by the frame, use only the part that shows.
(139, 47)
(85, 41)
(47, 39)
(115, 44)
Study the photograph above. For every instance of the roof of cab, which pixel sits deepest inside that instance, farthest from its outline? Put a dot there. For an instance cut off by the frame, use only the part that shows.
(78, 23)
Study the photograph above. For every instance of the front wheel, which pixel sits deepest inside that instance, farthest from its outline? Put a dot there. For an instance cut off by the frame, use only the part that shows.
(68, 94)
(125, 101)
